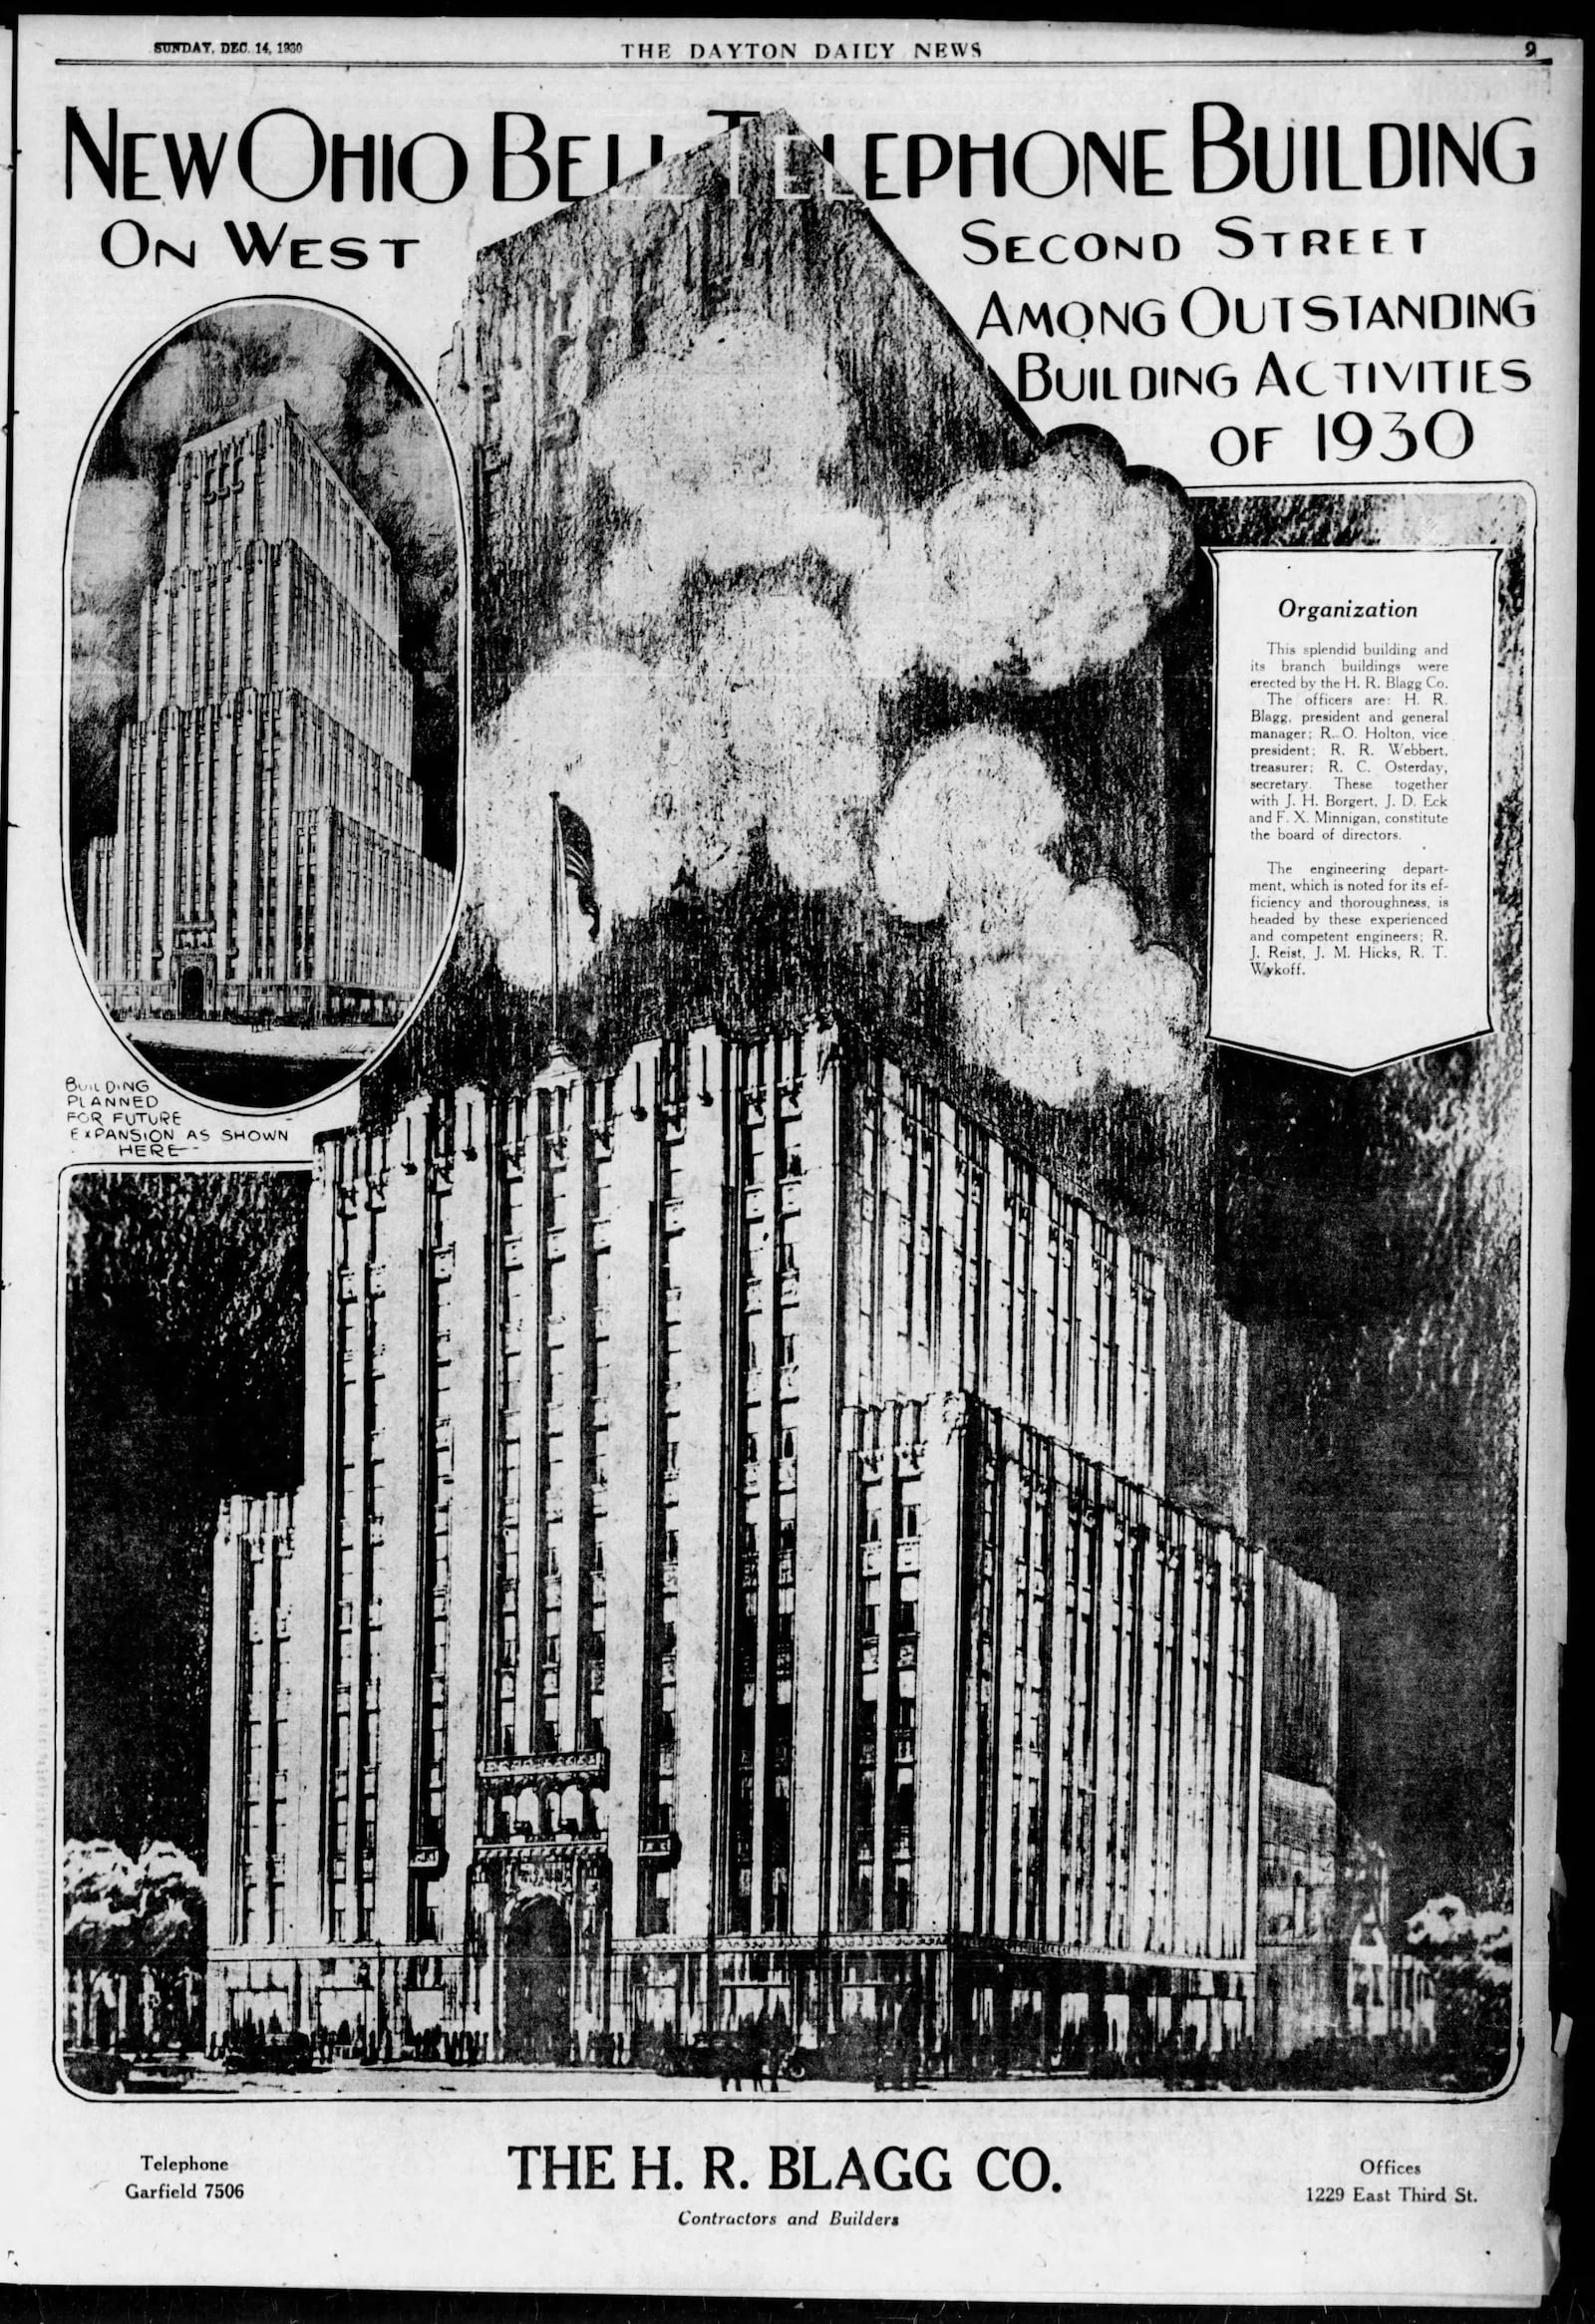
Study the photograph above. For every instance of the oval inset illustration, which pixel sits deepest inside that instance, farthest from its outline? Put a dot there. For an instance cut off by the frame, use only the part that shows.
(264, 732)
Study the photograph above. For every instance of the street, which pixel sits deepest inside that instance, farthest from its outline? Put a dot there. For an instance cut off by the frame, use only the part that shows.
(342, 2079)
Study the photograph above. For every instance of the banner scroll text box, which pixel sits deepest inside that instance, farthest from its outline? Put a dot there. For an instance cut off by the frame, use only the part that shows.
(1350, 801)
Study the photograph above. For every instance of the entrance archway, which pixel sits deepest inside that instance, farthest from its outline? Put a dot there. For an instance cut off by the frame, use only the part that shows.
(537, 2027)
(191, 994)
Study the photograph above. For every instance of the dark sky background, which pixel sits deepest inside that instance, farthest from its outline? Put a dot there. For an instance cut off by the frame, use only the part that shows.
(386, 445)
(184, 1382)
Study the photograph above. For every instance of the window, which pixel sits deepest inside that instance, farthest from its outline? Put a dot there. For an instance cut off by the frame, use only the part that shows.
(656, 1907)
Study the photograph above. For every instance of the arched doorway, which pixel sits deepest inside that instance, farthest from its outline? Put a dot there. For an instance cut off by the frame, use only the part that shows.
(191, 994)
(537, 1983)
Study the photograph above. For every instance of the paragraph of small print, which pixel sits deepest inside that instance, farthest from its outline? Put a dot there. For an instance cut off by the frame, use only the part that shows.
(1351, 824)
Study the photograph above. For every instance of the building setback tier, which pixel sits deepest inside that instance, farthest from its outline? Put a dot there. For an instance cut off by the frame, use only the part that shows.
(265, 622)
(732, 1570)
(264, 477)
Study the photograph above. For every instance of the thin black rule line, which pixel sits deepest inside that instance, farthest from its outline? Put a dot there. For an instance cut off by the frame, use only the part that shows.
(804, 64)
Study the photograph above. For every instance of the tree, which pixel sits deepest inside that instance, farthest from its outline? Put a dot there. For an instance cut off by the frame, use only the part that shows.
(172, 1909)
(1470, 1957)
(126, 1915)
(99, 1884)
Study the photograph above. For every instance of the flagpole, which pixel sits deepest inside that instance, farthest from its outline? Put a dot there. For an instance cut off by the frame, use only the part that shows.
(555, 884)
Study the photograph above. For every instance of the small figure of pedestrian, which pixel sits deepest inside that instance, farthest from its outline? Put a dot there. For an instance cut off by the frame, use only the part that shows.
(729, 2045)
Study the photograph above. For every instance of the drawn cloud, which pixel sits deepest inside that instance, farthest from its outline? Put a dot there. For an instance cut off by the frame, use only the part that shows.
(1036, 574)
(765, 727)
(257, 354)
(773, 729)
(590, 724)
(746, 490)
(1056, 989)
(748, 701)
(111, 543)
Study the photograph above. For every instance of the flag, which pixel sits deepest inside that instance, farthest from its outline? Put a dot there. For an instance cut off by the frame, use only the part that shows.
(575, 845)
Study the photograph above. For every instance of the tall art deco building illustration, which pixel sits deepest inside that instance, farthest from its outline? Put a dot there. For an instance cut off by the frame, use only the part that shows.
(267, 860)
(766, 1544)
(733, 1572)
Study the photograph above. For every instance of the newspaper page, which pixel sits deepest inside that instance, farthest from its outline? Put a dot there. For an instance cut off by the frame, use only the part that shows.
(787, 1179)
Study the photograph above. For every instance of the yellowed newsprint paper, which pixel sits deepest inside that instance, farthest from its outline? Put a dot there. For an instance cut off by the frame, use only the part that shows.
(787, 1017)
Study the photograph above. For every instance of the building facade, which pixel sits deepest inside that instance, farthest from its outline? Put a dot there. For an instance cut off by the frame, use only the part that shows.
(267, 860)
(1300, 1936)
(735, 1576)
(1387, 1993)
